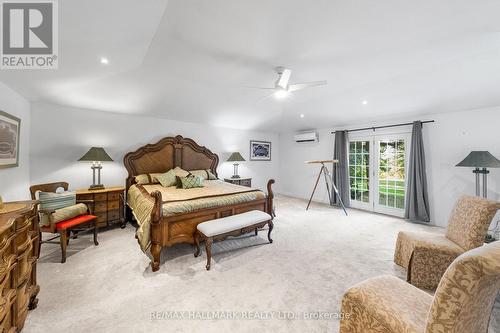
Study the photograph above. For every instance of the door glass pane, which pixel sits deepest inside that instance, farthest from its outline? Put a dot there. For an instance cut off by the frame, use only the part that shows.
(359, 170)
(392, 173)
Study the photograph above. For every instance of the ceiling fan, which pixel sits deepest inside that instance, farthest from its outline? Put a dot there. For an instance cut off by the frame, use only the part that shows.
(283, 88)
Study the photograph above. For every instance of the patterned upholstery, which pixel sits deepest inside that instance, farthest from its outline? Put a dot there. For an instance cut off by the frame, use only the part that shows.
(470, 221)
(427, 256)
(191, 182)
(66, 213)
(462, 303)
(55, 201)
(167, 179)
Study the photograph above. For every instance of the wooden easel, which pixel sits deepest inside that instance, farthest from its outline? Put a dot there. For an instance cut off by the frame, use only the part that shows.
(328, 179)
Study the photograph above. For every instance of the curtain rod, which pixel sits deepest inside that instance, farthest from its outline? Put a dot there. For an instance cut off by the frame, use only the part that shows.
(386, 126)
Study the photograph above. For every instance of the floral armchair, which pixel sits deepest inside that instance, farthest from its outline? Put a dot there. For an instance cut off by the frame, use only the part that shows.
(462, 303)
(426, 256)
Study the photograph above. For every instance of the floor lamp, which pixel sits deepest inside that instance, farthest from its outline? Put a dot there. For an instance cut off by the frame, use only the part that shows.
(480, 161)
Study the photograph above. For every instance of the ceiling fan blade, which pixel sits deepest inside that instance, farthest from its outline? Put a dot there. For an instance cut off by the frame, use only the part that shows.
(300, 86)
(264, 88)
(284, 78)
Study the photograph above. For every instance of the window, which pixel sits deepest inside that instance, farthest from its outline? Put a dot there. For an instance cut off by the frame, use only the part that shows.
(391, 173)
(359, 170)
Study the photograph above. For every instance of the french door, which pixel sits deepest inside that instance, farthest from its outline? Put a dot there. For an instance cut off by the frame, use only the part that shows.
(377, 173)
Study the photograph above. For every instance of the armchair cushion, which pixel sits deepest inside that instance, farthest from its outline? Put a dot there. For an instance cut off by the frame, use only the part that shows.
(74, 222)
(63, 214)
(384, 304)
(470, 220)
(408, 241)
(426, 257)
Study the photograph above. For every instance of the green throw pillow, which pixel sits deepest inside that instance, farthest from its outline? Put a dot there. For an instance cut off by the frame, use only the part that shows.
(211, 176)
(191, 182)
(167, 179)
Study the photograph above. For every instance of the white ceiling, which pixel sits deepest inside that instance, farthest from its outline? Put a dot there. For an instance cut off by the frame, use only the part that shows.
(194, 60)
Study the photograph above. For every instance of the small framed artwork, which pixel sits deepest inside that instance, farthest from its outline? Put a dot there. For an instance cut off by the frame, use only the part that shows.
(10, 129)
(260, 150)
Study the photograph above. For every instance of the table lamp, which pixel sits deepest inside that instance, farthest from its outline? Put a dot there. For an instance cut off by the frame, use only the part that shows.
(96, 155)
(480, 160)
(235, 157)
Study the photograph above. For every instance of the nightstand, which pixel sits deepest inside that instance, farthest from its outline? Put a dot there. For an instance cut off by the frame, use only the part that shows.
(108, 204)
(239, 181)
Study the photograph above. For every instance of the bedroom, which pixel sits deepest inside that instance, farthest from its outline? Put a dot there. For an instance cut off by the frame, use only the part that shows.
(130, 77)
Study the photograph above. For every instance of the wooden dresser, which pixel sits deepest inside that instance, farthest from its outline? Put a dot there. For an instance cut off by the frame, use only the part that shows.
(19, 246)
(108, 204)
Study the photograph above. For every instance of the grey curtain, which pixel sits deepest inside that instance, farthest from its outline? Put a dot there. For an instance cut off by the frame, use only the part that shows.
(340, 173)
(417, 199)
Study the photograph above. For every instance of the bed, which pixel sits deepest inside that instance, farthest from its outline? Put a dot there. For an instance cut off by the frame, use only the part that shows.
(168, 216)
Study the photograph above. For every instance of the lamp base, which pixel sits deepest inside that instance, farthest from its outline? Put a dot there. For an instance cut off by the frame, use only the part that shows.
(96, 187)
(235, 177)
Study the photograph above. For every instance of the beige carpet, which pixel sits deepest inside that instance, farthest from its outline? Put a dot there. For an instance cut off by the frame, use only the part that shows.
(277, 287)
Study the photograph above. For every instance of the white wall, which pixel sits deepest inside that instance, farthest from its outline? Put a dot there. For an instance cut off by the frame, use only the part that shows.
(62, 135)
(14, 182)
(447, 142)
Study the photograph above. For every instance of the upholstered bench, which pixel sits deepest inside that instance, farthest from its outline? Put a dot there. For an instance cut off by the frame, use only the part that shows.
(234, 225)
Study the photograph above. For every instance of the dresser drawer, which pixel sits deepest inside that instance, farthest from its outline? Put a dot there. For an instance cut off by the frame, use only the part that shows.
(100, 207)
(100, 197)
(102, 217)
(6, 248)
(112, 205)
(24, 263)
(85, 197)
(6, 272)
(22, 300)
(114, 196)
(6, 303)
(113, 215)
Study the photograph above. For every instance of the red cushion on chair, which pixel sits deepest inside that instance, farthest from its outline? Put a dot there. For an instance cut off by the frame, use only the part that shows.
(74, 221)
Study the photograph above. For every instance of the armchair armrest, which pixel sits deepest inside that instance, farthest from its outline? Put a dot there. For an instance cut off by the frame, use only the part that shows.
(48, 212)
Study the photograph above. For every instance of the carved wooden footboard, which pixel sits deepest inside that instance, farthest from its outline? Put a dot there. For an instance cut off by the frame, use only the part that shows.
(167, 154)
(181, 228)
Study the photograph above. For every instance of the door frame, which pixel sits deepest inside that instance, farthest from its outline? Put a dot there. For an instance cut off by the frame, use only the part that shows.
(354, 203)
(378, 208)
(373, 138)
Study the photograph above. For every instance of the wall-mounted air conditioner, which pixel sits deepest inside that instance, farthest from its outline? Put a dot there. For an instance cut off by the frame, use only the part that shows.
(306, 137)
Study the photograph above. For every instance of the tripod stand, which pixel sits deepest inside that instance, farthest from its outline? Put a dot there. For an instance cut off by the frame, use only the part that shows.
(328, 181)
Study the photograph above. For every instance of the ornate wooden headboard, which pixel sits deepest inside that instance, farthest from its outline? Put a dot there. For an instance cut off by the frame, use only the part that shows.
(166, 154)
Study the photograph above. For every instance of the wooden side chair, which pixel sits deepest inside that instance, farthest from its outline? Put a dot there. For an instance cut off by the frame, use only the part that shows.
(67, 221)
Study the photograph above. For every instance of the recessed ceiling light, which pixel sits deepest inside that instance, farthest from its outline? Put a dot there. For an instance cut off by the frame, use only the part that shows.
(364, 102)
(104, 61)
(301, 115)
(280, 94)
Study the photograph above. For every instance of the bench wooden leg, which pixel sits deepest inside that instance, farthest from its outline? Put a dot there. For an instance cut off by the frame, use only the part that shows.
(208, 248)
(197, 244)
(256, 231)
(271, 226)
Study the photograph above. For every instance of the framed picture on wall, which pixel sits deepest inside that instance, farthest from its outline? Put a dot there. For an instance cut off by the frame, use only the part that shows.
(260, 150)
(10, 130)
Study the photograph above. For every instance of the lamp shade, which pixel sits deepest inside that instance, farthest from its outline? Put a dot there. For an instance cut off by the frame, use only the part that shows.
(236, 157)
(97, 154)
(480, 159)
